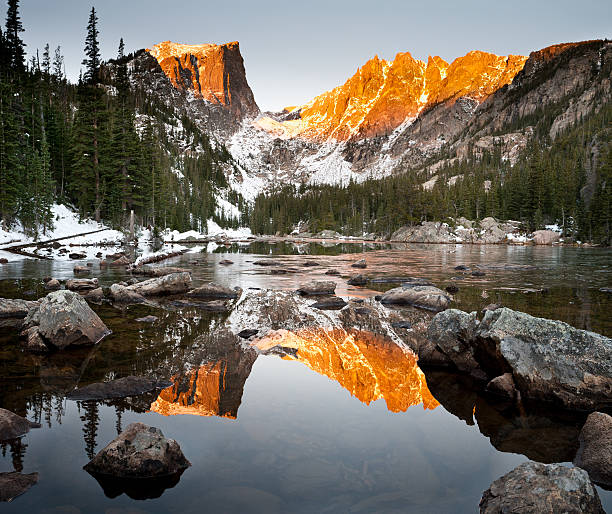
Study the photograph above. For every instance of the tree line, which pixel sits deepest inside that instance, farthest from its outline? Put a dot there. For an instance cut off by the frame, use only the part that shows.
(98, 145)
(552, 181)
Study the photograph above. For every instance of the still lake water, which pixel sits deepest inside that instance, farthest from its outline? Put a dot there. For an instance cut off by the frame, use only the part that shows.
(341, 425)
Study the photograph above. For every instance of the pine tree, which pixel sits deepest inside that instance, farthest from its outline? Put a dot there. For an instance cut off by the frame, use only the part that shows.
(46, 61)
(58, 64)
(92, 50)
(15, 46)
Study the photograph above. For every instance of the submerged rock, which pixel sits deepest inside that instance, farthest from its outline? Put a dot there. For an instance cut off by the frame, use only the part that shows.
(147, 319)
(360, 264)
(13, 425)
(120, 262)
(139, 451)
(14, 484)
(64, 319)
(210, 305)
(82, 284)
(212, 290)
(542, 488)
(119, 388)
(357, 280)
(157, 272)
(595, 452)
(175, 283)
(319, 287)
(13, 312)
(52, 284)
(122, 294)
(81, 270)
(424, 297)
(226, 262)
(95, 295)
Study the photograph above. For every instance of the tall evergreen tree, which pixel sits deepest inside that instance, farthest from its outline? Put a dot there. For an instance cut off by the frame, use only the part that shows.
(14, 44)
(92, 50)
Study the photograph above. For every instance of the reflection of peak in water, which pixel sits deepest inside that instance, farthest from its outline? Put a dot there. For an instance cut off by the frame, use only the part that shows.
(213, 389)
(367, 365)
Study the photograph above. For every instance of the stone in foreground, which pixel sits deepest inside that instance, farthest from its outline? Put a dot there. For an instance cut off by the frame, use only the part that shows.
(542, 488)
(13, 426)
(119, 388)
(595, 452)
(357, 280)
(333, 303)
(139, 451)
(64, 319)
(550, 360)
(424, 297)
(14, 484)
(318, 287)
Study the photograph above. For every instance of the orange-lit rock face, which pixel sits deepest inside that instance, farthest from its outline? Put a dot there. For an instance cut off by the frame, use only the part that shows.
(384, 94)
(214, 73)
(368, 366)
(214, 389)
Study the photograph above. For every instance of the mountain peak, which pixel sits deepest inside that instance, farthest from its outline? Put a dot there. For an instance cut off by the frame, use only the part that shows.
(209, 71)
(384, 94)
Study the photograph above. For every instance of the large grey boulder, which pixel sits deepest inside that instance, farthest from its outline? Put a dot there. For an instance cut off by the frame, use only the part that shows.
(14, 484)
(542, 489)
(452, 333)
(214, 291)
(427, 232)
(595, 452)
(64, 319)
(318, 287)
(13, 312)
(545, 237)
(13, 426)
(139, 451)
(550, 360)
(424, 297)
(175, 283)
(82, 284)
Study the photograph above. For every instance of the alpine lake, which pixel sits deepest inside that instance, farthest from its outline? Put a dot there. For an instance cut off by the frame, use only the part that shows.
(340, 424)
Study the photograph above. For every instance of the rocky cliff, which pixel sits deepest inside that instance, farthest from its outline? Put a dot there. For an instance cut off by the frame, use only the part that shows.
(214, 73)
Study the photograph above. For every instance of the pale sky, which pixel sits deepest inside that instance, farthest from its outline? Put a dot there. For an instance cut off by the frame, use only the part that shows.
(294, 50)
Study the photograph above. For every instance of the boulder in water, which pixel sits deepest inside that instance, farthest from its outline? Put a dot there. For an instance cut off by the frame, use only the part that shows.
(64, 319)
(139, 451)
(595, 452)
(541, 488)
(423, 297)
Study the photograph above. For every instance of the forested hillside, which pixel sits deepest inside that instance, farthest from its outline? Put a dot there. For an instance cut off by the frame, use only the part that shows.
(101, 145)
(567, 181)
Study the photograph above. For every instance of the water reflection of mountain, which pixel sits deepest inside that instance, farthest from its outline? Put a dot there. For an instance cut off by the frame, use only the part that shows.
(367, 365)
(213, 389)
